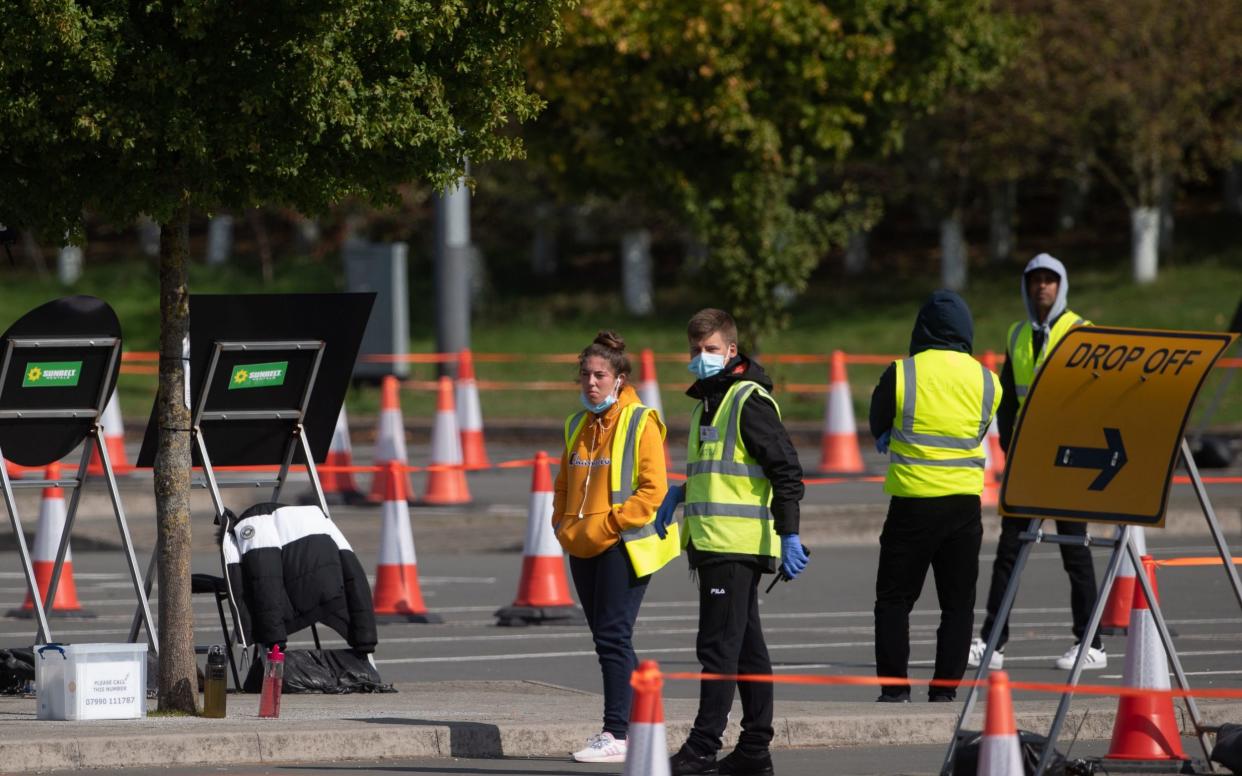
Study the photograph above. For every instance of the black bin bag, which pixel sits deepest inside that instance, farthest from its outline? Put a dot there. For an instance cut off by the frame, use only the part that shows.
(329, 671)
(966, 759)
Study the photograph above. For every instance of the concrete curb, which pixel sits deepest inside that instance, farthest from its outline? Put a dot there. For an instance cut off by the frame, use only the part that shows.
(192, 741)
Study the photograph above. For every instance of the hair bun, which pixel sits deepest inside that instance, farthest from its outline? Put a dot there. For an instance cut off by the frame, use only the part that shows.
(610, 339)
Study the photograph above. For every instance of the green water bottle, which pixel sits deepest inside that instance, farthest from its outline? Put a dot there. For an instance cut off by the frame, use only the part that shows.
(215, 687)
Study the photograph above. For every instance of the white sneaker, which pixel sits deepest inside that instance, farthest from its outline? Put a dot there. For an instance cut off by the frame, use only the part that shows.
(1096, 658)
(977, 648)
(601, 748)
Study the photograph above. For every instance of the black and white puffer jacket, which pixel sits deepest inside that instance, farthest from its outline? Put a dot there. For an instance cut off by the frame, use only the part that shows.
(289, 567)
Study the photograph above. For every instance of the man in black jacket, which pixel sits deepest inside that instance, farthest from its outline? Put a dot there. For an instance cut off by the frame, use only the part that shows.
(743, 485)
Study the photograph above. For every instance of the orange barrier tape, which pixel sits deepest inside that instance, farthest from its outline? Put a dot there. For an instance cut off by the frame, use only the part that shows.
(1191, 562)
(876, 681)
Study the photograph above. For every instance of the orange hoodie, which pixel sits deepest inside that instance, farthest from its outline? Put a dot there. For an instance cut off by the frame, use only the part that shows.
(600, 524)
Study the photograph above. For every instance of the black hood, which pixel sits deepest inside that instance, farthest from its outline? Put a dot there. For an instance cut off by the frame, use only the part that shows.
(944, 323)
(740, 367)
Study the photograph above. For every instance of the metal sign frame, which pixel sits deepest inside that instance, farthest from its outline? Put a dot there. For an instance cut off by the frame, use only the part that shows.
(297, 440)
(94, 441)
(1122, 543)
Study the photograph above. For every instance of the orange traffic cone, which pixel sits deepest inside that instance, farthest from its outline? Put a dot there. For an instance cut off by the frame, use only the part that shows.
(114, 439)
(390, 440)
(646, 751)
(15, 470)
(994, 465)
(1146, 726)
(543, 591)
(397, 596)
(470, 415)
(648, 386)
(43, 556)
(1116, 618)
(840, 451)
(339, 486)
(446, 479)
(999, 751)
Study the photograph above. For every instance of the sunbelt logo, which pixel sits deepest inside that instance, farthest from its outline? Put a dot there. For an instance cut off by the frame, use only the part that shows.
(258, 375)
(52, 374)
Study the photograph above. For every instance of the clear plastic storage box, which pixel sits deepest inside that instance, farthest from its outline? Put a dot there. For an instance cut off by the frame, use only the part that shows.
(91, 681)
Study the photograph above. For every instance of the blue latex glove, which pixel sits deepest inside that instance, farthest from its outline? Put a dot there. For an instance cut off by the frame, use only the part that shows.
(668, 509)
(793, 556)
(881, 442)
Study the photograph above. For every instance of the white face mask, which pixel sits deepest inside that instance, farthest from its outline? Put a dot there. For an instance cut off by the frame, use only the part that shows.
(704, 365)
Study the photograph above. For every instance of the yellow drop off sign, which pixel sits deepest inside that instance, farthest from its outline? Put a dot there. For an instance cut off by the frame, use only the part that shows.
(1101, 429)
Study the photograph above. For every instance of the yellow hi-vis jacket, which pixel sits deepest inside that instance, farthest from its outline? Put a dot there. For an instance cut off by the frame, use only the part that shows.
(945, 401)
(648, 553)
(1023, 359)
(727, 495)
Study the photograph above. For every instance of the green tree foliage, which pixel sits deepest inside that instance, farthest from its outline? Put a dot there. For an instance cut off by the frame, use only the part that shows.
(169, 106)
(738, 116)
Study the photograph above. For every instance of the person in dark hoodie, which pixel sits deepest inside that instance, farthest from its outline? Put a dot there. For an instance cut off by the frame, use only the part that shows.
(743, 485)
(1045, 288)
(930, 412)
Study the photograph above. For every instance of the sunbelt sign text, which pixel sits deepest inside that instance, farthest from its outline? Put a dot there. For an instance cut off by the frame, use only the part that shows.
(52, 374)
(259, 375)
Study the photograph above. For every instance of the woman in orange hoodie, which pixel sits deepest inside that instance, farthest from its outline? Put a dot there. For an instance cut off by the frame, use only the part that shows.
(605, 524)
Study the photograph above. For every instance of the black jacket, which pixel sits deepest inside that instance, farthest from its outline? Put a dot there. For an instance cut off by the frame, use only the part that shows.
(943, 323)
(289, 567)
(766, 439)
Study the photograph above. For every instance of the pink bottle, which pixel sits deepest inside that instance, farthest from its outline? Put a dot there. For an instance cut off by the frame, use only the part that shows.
(273, 677)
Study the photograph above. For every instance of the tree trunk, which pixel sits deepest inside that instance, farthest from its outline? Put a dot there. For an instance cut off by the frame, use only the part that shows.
(1002, 200)
(952, 253)
(1233, 188)
(636, 289)
(69, 264)
(1074, 190)
(178, 690)
(34, 254)
(543, 244)
(1145, 242)
(219, 239)
(263, 243)
(857, 252)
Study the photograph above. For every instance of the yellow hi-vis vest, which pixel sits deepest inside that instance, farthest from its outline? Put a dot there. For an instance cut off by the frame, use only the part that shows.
(647, 551)
(727, 494)
(945, 402)
(1023, 359)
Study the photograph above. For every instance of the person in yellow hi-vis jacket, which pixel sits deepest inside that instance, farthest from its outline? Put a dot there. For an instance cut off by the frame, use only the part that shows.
(930, 412)
(612, 478)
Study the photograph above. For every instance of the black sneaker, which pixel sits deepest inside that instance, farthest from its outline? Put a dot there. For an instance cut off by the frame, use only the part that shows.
(899, 698)
(941, 697)
(687, 763)
(738, 763)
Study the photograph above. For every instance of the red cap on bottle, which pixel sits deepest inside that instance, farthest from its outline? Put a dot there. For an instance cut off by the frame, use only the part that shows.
(275, 655)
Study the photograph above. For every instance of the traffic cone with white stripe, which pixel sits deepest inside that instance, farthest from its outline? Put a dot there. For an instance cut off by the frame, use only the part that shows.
(1116, 618)
(648, 385)
(470, 414)
(43, 556)
(390, 440)
(994, 456)
(446, 480)
(1000, 752)
(646, 752)
(397, 596)
(840, 452)
(543, 591)
(114, 439)
(1146, 726)
(339, 486)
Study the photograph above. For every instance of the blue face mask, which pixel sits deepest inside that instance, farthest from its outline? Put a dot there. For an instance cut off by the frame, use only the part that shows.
(608, 401)
(704, 365)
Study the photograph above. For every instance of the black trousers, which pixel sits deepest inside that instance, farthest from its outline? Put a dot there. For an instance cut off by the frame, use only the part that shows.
(943, 533)
(610, 595)
(730, 641)
(1075, 559)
